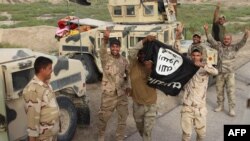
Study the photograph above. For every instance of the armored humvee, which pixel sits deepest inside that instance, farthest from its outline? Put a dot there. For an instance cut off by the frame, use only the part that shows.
(67, 81)
(132, 20)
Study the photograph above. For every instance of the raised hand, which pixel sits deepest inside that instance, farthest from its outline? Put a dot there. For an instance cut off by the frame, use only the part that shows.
(106, 35)
(179, 28)
(205, 27)
(149, 38)
(218, 4)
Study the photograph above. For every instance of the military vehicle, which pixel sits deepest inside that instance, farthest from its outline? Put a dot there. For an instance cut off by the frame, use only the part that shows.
(67, 80)
(132, 20)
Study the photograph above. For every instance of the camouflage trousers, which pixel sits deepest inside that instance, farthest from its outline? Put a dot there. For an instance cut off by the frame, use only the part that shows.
(193, 117)
(109, 102)
(144, 116)
(226, 80)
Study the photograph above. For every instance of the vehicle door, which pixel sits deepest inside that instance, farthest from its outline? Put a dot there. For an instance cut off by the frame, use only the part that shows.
(17, 75)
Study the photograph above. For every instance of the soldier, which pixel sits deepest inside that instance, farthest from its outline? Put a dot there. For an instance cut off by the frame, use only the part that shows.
(226, 53)
(40, 104)
(115, 87)
(197, 44)
(194, 109)
(144, 97)
(218, 28)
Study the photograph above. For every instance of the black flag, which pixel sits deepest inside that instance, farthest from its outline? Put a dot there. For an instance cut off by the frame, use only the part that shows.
(171, 70)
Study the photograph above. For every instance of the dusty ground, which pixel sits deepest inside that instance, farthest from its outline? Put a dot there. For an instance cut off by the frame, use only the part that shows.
(39, 38)
(42, 39)
(165, 104)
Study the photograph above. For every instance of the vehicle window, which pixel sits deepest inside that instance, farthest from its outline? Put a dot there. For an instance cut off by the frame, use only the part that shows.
(138, 39)
(130, 10)
(117, 10)
(166, 36)
(135, 40)
(21, 78)
(149, 10)
(132, 42)
(174, 33)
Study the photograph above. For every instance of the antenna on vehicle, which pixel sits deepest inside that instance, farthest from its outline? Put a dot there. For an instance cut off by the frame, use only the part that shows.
(78, 27)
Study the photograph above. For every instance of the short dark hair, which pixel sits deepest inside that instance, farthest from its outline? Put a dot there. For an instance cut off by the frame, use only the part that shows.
(41, 62)
(196, 50)
(115, 41)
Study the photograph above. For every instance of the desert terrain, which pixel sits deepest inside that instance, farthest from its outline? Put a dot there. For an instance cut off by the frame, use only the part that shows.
(41, 38)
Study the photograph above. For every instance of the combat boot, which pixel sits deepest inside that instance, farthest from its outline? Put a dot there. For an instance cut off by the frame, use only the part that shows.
(219, 108)
(231, 112)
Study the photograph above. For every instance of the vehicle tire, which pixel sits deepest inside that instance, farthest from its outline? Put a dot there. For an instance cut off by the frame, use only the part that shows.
(93, 74)
(83, 114)
(68, 118)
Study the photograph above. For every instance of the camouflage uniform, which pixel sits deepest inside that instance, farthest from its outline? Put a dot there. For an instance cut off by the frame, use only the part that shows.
(144, 116)
(114, 84)
(226, 77)
(42, 110)
(199, 46)
(144, 98)
(194, 109)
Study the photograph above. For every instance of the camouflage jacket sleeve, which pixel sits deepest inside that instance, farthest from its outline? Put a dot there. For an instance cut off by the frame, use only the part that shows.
(210, 69)
(213, 42)
(33, 104)
(240, 44)
(103, 53)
